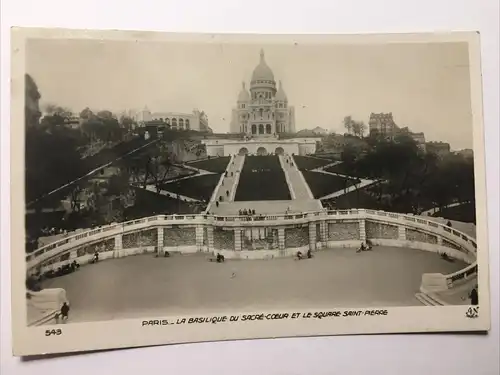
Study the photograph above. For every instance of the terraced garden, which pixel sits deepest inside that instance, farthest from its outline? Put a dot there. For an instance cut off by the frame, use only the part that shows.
(148, 203)
(262, 178)
(322, 184)
(343, 169)
(217, 165)
(465, 213)
(307, 163)
(360, 198)
(200, 187)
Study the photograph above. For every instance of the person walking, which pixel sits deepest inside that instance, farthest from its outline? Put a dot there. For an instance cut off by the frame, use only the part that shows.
(473, 296)
(64, 313)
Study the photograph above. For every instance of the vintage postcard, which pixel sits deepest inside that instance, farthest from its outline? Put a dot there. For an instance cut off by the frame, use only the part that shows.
(171, 188)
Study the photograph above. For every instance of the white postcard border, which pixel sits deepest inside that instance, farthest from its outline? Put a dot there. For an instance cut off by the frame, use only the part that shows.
(132, 333)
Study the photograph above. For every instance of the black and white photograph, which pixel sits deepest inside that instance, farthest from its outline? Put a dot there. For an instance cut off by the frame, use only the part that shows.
(196, 187)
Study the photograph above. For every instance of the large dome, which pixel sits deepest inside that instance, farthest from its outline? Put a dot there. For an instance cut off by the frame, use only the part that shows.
(262, 72)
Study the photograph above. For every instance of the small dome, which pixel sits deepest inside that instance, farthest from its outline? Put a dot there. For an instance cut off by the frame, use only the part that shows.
(280, 95)
(244, 96)
(262, 72)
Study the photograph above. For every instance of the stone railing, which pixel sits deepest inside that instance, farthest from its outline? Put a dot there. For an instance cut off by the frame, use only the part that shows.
(347, 227)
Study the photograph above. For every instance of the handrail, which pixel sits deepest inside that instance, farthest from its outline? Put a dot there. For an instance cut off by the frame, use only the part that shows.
(325, 214)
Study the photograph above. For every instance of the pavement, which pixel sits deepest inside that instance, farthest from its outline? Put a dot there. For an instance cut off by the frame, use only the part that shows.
(190, 284)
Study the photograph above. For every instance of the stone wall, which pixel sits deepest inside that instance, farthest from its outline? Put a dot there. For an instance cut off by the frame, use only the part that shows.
(418, 236)
(223, 238)
(338, 231)
(282, 237)
(179, 236)
(102, 246)
(296, 237)
(451, 245)
(382, 231)
(143, 238)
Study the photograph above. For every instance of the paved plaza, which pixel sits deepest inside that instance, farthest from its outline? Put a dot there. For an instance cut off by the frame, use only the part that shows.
(138, 286)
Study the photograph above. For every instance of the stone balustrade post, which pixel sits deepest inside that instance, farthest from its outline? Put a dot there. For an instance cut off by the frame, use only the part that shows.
(237, 239)
(281, 238)
(210, 238)
(401, 233)
(362, 230)
(118, 245)
(199, 237)
(312, 236)
(160, 241)
(324, 232)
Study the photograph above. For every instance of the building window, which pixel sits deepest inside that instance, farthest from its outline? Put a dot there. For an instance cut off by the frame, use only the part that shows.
(167, 120)
(188, 126)
(268, 128)
(254, 129)
(181, 123)
(174, 122)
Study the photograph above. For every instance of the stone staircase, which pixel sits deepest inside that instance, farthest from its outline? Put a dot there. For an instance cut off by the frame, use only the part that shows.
(429, 299)
(300, 187)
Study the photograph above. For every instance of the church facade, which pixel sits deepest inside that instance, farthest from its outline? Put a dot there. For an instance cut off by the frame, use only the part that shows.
(262, 111)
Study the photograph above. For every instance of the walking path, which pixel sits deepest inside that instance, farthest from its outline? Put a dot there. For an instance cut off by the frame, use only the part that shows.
(436, 209)
(200, 172)
(227, 184)
(296, 179)
(361, 185)
(467, 228)
(267, 207)
(152, 188)
(95, 170)
(319, 169)
(287, 177)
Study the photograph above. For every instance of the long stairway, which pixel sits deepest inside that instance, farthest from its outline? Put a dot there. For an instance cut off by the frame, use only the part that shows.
(295, 178)
(227, 185)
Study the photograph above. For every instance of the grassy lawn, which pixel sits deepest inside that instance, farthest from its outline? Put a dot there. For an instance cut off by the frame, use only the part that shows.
(356, 199)
(200, 187)
(342, 169)
(307, 163)
(217, 165)
(465, 213)
(148, 203)
(322, 184)
(262, 179)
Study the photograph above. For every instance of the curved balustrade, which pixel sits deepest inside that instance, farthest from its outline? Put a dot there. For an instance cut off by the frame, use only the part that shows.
(459, 244)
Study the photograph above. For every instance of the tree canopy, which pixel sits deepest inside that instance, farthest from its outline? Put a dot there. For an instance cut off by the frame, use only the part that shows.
(412, 179)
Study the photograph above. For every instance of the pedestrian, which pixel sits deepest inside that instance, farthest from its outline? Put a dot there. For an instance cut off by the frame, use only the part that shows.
(474, 300)
(64, 312)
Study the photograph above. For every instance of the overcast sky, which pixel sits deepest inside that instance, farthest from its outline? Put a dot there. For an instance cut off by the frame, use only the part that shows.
(425, 86)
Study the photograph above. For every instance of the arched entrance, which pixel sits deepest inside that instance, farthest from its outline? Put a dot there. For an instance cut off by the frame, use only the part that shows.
(261, 151)
(243, 151)
(279, 151)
